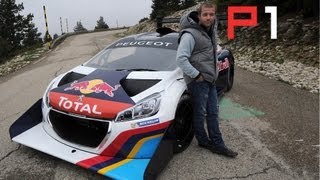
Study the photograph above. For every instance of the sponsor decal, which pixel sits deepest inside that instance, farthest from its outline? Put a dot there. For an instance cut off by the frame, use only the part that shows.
(93, 86)
(89, 106)
(223, 65)
(148, 122)
(144, 43)
(65, 103)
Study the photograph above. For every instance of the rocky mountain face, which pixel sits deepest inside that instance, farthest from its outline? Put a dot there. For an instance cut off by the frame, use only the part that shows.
(298, 40)
(292, 58)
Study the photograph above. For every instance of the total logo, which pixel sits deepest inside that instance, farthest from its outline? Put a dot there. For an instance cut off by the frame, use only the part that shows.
(93, 86)
(65, 103)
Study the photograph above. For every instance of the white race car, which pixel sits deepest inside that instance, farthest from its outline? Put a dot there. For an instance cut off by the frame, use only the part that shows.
(122, 114)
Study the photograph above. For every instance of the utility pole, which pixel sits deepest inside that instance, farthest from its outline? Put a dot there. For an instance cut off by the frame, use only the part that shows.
(47, 29)
(61, 26)
(67, 25)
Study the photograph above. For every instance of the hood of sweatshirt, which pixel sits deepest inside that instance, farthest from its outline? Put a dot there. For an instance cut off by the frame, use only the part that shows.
(190, 20)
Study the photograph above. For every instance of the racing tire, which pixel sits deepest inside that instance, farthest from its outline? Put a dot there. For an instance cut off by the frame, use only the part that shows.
(183, 124)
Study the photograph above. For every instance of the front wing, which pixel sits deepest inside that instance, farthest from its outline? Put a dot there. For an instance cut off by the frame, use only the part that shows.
(28, 130)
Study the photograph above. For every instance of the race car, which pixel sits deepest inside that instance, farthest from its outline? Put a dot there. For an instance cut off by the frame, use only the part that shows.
(123, 113)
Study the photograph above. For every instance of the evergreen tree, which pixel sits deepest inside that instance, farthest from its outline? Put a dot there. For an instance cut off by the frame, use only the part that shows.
(143, 19)
(55, 36)
(156, 8)
(16, 31)
(6, 47)
(162, 8)
(188, 3)
(11, 24)
(79, 27)
(101, 24)
(31, 34)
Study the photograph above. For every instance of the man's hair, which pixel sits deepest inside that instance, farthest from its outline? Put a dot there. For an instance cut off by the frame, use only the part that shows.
(207, 5)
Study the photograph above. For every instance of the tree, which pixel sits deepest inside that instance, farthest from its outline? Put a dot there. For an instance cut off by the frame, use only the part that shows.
(143, 19)
(31, 34)
(16, 31)
(101, 24)
(162, 8)
(55, 36)
(11, 24)
(188, 3)
(6, 47)
(79, 27)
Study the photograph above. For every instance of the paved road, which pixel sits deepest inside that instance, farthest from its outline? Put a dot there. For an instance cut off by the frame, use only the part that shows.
(274, 127)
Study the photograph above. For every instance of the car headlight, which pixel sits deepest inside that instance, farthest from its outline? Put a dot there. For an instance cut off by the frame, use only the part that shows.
(147, 107)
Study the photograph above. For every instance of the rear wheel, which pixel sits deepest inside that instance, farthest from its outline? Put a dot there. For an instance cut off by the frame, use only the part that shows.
(230, 75)
(183, 126)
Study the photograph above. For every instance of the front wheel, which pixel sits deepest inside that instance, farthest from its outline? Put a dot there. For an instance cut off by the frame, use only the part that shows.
(183, 125)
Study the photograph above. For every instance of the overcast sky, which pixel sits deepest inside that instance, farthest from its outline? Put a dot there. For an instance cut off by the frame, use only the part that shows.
(115, 12)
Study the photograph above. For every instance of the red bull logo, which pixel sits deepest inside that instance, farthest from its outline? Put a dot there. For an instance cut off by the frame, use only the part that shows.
(106, 88)
(78, 85)
(93, 86)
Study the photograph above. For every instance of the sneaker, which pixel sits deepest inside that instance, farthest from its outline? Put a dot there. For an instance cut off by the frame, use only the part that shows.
(223, 150)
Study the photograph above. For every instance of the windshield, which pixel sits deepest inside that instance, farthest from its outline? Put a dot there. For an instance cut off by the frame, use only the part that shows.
(135, 58)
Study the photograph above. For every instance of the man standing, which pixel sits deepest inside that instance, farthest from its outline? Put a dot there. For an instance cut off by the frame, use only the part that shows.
(196, 56)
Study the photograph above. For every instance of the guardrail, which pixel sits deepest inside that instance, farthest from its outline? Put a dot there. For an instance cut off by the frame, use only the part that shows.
(58, 40)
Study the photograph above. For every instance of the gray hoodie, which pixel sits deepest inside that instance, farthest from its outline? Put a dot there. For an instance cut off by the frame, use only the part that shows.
(197, 49)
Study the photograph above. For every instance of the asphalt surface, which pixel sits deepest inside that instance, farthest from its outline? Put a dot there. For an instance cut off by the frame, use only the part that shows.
(273, 126)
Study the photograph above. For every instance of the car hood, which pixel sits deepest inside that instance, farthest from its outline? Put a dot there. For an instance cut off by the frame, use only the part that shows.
(103, 94)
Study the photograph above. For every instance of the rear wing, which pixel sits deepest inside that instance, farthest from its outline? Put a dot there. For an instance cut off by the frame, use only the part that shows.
(222, 18)
(160, 21)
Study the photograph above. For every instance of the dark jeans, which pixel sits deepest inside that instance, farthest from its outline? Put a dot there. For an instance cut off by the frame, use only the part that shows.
(205, 106)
